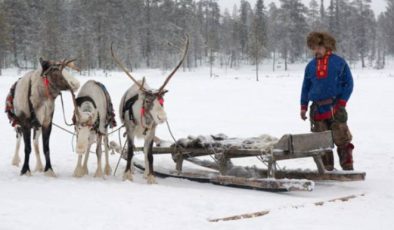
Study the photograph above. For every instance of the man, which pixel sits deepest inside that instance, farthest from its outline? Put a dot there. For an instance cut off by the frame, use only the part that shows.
(328, 84)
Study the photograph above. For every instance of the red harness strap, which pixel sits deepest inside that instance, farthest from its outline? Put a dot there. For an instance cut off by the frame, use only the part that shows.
(46, 85)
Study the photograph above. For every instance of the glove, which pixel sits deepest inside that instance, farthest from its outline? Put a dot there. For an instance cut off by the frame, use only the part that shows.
(303, 114)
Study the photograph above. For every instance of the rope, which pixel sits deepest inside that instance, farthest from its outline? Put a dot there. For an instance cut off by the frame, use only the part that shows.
(113, 131)
(58, 126)
(120, 156)
(64, 113)
(177, 146)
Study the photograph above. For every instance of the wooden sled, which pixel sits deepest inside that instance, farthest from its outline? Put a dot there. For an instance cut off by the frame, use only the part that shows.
(288, 147)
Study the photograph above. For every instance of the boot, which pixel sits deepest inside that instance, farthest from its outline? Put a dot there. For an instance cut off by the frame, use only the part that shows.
(345, 154)
(328, 160)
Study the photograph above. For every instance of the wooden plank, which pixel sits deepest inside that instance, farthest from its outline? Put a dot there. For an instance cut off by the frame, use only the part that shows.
(195, 152)
(265, 184)
(239, 182)
(295, 174)
(316, 176)
(301, 143)
(280, 155)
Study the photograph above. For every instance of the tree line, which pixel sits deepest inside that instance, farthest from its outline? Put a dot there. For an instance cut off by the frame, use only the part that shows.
(148, 33)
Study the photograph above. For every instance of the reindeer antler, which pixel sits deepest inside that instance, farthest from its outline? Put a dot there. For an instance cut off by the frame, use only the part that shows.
(125, 70)
(179, 64)
(69, 63)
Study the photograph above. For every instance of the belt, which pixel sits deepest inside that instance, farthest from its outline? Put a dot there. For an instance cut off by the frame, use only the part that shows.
(329, 101)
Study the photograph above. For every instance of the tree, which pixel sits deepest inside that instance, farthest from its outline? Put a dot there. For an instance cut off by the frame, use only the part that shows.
(313, 15)
(244, 25)
(388, 21)
(258, 35)
(3, 38)
(363, 15)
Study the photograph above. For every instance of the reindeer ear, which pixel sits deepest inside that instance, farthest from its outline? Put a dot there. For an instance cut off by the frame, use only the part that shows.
(44, 64)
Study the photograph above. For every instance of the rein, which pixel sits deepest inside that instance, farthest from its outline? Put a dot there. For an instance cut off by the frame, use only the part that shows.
(64, 113)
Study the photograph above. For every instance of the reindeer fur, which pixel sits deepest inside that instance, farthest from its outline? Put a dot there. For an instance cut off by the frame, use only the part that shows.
(43, 108)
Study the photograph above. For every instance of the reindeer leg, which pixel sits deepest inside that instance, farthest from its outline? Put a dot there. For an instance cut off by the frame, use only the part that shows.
(148, 145)
(99, 151)
(16, 160)
(46, 133)
(85, 170)
(36, 136)
(128, 174)
(78, 169)
(107, 168)
(26, 138)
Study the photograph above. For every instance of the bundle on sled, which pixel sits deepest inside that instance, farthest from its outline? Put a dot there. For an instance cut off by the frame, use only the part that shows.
(268, 149)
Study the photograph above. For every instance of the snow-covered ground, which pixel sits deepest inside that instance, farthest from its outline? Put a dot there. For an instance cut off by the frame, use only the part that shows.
(232, 103)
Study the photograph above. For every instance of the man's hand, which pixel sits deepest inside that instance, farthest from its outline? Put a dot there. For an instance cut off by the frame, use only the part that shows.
(303, 114)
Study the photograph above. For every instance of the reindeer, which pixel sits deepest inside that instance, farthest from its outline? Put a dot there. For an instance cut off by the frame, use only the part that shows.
(32, 106)
(92, 116)
(141, 110)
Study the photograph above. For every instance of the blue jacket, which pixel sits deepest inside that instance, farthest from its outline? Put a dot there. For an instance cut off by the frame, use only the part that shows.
(338, 84)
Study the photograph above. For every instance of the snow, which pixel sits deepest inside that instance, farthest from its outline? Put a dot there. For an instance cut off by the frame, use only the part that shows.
(263, 142)
(232, 103)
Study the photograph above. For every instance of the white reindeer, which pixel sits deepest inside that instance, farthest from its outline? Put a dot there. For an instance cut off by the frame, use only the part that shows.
(91, 125)
(141, 110)
(31, 106)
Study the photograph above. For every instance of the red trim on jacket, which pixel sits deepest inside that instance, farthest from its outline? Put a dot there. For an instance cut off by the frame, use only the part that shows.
(322, 66)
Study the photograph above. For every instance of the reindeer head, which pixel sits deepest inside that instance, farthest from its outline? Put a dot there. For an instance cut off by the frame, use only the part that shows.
(55, 77)
(152, 106)
(85, 117)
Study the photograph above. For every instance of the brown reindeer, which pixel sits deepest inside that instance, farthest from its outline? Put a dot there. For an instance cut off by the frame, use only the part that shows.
(31, 105)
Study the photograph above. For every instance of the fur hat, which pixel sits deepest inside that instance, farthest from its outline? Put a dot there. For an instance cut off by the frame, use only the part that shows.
(321, 39)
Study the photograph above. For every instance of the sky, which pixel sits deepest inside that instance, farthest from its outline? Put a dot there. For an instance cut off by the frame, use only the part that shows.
(377, 5)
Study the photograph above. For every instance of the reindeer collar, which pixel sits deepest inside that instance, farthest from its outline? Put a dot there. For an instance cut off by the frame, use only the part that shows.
(81, 100)
(45, 81)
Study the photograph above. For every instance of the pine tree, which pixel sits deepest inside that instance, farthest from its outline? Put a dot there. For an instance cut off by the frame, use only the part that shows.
(361, 33)
(258, 37)
(244, 25)
(313, 15)
(3, 38)
(389, 25)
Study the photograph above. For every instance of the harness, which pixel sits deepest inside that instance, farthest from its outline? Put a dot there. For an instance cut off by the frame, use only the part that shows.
(146, 106)
(80, 101)
(9, 108)
(128, 106)
(110, 121)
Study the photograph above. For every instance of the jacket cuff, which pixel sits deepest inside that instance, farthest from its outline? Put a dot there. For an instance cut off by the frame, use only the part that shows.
(304, 107)
(342, 102)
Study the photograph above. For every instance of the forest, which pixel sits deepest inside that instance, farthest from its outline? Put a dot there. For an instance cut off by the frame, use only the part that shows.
(149, 33)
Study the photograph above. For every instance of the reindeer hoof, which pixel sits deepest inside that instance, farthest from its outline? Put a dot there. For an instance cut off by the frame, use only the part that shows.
(108, 170)
(78, 172)
(146, 174)
(85, 171)
(151, 179)
(50, 173)
(27, 173)
(128, 176)
(16, 161)
(99, 173)
(39, 168)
